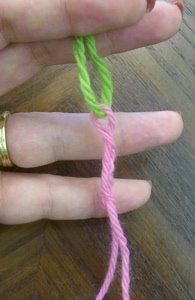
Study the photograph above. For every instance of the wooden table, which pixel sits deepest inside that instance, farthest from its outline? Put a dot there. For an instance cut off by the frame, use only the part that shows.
(68, 260)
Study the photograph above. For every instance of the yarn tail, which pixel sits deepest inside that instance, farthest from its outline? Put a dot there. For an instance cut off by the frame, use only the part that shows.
(111, 270)
(107, 180)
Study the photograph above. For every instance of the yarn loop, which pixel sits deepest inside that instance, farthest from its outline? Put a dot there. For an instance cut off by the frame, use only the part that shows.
(85, 83)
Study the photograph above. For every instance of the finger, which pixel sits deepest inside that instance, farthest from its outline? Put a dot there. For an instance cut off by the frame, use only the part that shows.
(162, 23)
(20, 62)
(63, 198)
(43, 138)
(25, 21)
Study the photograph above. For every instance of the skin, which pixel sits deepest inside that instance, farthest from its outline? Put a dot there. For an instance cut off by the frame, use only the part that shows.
(42, 37)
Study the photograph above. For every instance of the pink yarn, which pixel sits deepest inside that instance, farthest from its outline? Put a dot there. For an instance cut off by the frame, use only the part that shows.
(119, 241)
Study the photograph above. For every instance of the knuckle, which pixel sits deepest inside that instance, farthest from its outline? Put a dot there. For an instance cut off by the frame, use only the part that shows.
(66, 15)
(97, 207)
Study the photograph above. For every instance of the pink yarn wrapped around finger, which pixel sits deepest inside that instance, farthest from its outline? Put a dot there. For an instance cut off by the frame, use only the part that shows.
(119, 240)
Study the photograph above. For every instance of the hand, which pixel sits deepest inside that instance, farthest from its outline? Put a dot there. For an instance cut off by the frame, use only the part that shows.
(34, 34)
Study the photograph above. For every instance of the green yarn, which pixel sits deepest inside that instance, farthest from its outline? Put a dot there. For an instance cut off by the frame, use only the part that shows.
(81, 44)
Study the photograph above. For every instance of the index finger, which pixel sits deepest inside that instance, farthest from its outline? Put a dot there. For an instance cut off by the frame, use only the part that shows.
(25, 21)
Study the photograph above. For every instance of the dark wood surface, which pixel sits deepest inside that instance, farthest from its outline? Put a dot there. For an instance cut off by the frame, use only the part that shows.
(68, 260)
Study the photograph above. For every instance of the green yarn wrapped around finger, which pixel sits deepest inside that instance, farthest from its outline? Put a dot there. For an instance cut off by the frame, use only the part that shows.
(81, 44)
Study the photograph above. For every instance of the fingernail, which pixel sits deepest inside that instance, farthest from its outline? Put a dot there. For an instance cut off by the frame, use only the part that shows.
(179, 4)
(150, 5)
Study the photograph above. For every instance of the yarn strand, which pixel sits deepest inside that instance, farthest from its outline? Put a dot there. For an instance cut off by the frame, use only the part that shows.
(109, 202)
(105, 78)
(101, 108)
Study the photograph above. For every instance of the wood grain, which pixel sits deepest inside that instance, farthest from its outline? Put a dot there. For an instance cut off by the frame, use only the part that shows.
(68, 260)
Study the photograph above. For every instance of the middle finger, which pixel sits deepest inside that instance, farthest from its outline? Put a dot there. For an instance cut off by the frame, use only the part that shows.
(37, 138)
